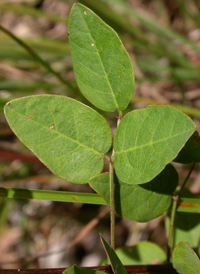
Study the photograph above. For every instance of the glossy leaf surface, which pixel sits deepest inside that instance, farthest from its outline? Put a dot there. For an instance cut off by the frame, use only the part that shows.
(116, 264)
(103, 69)
(142, 253)
(80, 270)
(68, 137)
(191, 151)
(185, 261)
(147, 140)
(139, 202)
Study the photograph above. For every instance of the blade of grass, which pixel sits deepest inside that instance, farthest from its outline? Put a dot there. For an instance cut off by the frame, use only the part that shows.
(196, 3)
(35, 56)
(185, 10)
(59, 196)
(43, 46)
(161, 31)
(185, 205)
(195, 112)
(151, 64)
(19, 85)
(20, 9)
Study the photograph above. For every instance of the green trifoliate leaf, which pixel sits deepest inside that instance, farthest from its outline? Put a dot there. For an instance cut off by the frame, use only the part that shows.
(103, 69)
(140, 203)
(185, 261)
(142, 253)
(80, 270)
(116, 264)
(67, 136)
(190, 153)
(147, 140)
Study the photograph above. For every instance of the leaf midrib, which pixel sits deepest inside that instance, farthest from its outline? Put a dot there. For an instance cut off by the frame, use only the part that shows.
(61, 134)
(113, 95)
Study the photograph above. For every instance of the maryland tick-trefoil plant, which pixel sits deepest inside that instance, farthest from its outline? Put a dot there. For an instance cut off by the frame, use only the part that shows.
(73, 140)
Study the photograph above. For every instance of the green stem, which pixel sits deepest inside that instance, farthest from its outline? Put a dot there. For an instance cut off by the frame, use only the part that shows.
(112, 203)
(184, 183)
(173, 213)
(171, 229)
(112, 190)
(35, 56)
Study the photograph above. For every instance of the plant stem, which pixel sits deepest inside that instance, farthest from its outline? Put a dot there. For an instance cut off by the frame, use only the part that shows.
(112, 190)
(173, 213)
(184, 183)
(112, 203)
(35, 56)
(120, 114)
(171, 229)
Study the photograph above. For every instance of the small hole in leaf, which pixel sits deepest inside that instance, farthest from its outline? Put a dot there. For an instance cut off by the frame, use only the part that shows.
(85, 12)
(52, 126)
(30, 116)
(92, 44)
(9, 104)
